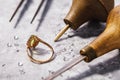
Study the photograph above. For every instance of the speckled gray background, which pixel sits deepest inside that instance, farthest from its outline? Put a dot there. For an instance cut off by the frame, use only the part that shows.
(14, 62)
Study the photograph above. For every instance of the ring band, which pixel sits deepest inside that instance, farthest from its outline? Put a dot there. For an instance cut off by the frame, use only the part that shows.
(32, 42)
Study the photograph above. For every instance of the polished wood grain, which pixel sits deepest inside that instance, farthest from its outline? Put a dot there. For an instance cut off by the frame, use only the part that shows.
(110, 38)
(82, 11)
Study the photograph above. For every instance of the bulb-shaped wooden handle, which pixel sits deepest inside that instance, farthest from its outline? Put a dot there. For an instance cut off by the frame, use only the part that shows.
(84, 10)
(108, 40)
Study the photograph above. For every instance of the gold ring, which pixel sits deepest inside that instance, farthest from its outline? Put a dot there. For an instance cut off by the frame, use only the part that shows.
(32, 42)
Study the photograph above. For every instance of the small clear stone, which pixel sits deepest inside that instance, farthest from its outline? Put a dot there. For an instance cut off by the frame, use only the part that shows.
(9, 45)
(16, 37)
(20, 64)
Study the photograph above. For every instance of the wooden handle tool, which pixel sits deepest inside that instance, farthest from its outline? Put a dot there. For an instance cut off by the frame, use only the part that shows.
(108, 40)
(84, 10)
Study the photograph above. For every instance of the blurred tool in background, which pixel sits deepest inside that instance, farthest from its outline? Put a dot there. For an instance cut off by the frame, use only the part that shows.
(26, 6)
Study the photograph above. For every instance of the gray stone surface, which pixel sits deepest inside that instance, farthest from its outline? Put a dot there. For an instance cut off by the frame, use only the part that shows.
(14, 62)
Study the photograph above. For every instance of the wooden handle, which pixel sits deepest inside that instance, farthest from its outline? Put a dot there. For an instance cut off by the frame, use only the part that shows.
(110, 38)
(82, 11)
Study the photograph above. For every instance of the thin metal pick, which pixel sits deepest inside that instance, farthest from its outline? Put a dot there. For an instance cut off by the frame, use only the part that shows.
(40, 5)
(21, 2)
(65, 68)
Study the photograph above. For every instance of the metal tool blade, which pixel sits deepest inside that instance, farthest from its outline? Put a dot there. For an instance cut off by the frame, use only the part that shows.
(40, 5)
(21, 2)
(65, 68)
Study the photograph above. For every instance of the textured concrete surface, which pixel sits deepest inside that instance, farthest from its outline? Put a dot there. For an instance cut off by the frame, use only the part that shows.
(14, 62)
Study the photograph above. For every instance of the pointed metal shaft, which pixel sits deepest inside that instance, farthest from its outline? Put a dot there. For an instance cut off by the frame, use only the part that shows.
(39, 7)
(65, 68)
(21, 2)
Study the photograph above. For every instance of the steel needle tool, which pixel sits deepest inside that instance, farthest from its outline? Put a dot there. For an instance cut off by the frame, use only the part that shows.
(41, 3)
(21, 2)
(65, 68)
